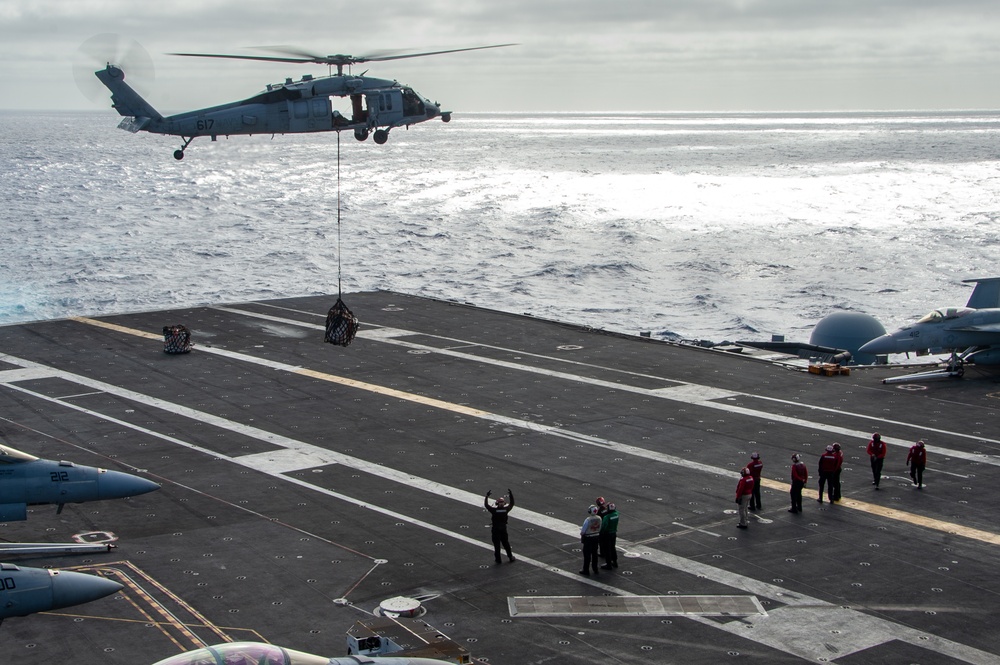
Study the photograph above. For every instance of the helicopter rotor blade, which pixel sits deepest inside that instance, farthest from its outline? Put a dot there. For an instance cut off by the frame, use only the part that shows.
(265, 58)
(382, 58)
(303, 56)
(109, 48)
(289, 50)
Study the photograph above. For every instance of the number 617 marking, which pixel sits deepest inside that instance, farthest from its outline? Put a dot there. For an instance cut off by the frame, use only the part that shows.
(205, 125)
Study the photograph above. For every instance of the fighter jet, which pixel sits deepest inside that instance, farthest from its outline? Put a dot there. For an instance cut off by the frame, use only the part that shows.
(380, 640)
(254, 653)
(970, 333)
(24, 591)
(26, 480)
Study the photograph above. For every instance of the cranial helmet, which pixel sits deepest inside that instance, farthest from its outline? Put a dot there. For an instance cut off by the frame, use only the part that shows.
(795, 457)
(876, 436)
(611, 506)
(920, 444)
(829, 449)
(744, 471)
(500, 501)
(600, 501)
(754, 455)
(592, 510)
(836, 446)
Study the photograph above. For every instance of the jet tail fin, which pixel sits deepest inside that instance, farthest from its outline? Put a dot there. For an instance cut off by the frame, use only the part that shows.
(124, 99)
(986, 295)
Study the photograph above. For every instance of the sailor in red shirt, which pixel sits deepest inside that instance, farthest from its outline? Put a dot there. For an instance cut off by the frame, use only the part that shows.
(744, 491)
(917, 459)
(827, 468)
(755, 466)
(876, 450)
(799, 477)
(839, 454)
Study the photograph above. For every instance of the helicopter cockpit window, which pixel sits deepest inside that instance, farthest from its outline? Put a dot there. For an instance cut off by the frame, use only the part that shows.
(412, 104)
(945, 314)
(13, 456)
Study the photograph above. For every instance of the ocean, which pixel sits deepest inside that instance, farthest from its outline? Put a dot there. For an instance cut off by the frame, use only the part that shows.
(694, 226)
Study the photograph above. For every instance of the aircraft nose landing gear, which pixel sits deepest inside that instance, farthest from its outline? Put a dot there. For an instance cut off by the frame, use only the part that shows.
(179, 154)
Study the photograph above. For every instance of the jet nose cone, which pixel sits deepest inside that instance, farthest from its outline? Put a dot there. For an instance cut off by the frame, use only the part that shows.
(880, 346)
(117, 485)
(69, 588)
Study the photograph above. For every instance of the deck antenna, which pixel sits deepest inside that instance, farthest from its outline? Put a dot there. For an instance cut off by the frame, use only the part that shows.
(341, 324)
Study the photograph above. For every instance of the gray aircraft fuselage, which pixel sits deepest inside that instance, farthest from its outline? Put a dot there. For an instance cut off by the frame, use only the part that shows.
(290, 107)
(24, 591)
(947, 329)
(26, 480)
(972, 331)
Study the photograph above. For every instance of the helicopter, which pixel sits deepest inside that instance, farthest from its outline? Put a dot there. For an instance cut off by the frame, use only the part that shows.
(376, 105)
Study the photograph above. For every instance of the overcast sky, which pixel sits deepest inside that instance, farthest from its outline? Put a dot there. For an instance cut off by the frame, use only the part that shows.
(573, 55)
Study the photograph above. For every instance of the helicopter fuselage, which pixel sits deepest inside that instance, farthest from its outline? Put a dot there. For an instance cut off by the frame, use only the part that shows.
(306, 105)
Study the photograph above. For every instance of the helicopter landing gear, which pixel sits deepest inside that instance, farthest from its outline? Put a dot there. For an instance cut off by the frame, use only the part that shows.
(381, 136)
(179, 154)
(361, 134)
(445, 117)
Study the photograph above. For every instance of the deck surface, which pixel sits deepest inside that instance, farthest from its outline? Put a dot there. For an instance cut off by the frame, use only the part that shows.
(304, 483)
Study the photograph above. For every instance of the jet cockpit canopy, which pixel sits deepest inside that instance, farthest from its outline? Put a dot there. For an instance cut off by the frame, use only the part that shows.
(244, 653)
(945, 314)
(10, 455)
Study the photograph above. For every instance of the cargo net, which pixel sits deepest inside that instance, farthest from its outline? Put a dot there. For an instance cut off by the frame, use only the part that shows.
(341, 325)
(176, 339)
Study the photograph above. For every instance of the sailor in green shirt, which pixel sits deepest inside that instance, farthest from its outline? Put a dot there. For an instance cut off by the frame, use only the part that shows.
(609, 536)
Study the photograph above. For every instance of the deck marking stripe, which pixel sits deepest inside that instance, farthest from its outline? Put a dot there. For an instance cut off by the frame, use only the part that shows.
(880, 630)
(391, 335)
(688, 393)
(902, 516)
(917, 520)
(691, 528)
(259, 463)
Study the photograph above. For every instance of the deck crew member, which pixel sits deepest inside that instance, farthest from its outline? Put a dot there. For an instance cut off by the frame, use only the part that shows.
(839, 454)
(744, 492)
(609, 537)
(755, 466)
(800, 474)
(590, 536)
(917, 459)
(876, 450)
(827, 467)
(498, 528)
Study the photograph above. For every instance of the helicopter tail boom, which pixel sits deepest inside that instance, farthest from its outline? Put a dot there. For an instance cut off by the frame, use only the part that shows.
(126, 100)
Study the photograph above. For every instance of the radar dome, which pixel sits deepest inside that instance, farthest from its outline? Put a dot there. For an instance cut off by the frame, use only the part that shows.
(848, 331)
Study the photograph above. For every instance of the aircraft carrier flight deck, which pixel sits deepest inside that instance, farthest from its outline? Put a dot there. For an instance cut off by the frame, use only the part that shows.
(305, 484)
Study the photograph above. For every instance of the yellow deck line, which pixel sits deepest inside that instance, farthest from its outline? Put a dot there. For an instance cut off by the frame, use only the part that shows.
(116, 327)
(870, 508)
(902, 516)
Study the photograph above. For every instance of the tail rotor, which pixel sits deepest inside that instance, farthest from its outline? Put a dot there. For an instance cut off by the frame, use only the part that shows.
(108, 48)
